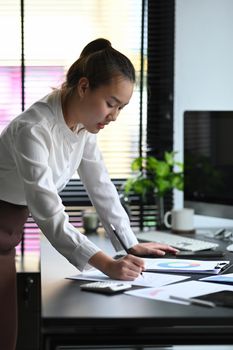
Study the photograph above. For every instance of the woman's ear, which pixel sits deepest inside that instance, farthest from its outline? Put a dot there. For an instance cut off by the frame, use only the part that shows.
(83, 85)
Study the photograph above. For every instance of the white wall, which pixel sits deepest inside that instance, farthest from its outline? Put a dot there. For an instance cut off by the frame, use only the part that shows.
(203, 68)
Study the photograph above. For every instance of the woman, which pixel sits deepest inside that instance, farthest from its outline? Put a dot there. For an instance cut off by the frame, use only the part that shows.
(39, 152)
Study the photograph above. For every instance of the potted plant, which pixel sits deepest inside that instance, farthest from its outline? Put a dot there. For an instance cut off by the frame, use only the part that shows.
(157, 177)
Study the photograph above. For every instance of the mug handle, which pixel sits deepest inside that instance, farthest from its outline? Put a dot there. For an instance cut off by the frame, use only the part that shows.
(166, 217)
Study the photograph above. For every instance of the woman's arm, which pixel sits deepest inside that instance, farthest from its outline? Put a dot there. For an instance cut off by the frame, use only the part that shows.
(103, 195)
(33, 144)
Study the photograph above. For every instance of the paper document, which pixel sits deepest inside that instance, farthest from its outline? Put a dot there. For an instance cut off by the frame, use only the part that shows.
(189, 289)
(185, 265)
(226, 278)
(146, 280)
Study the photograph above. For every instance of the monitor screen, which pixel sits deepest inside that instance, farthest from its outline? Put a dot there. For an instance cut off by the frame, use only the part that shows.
(208, 162)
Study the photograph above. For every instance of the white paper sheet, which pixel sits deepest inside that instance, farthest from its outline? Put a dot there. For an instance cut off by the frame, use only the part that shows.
(147, 279)
(187, 289)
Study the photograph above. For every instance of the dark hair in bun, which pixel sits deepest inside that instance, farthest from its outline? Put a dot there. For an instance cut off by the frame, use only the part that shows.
(99, 62)
(96, 45)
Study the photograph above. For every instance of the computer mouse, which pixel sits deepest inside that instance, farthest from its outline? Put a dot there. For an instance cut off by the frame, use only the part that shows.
(230, 248)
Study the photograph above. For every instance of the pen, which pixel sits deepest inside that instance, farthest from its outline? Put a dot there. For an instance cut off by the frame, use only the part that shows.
(193, 301)
(119, 239)
(219, 232)
(121, 242)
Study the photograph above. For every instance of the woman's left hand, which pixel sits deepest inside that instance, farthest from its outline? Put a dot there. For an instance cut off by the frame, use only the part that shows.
(151, 248)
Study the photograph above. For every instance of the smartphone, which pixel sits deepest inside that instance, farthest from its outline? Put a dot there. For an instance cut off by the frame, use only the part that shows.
(222, 298)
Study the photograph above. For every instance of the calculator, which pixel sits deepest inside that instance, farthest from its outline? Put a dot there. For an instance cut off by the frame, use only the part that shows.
(106, 287)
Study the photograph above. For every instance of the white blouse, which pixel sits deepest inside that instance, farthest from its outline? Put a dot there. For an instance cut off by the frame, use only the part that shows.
(38, 156)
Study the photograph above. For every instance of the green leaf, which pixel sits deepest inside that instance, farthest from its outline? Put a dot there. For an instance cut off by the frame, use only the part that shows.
(163, 186)
(169, 158)
(177, 182)
(179, 165)
(152, 164)
(128, 185)
(136, 164)
(162, 169)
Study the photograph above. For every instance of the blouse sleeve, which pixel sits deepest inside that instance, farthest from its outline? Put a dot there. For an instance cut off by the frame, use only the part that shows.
(103, 194)
(32, 145)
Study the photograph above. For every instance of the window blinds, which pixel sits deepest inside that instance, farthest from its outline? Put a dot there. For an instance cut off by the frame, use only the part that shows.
(53, 34)
(160, 75)
(55, 31)
(10, 55)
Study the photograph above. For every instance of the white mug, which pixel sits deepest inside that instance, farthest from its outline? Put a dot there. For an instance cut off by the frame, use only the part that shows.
(180, 220)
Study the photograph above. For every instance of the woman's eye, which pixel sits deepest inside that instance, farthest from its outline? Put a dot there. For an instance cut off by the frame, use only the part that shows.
(109, 105)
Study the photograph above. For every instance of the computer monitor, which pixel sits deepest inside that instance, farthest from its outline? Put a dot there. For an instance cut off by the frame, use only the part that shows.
(208, 162)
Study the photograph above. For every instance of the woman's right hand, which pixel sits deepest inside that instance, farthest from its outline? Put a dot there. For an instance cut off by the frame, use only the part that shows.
(126, 268)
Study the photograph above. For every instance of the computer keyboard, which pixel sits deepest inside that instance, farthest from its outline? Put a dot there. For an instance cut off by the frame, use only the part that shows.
(176, 241)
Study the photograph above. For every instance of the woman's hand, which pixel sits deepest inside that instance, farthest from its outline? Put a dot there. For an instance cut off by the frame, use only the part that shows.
(151, 248)
(126, 268)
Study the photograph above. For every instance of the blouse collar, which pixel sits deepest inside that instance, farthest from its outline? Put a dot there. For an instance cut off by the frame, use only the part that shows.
(71, 135)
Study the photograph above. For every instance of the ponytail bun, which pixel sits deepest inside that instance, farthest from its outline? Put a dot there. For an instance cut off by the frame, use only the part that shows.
(94, 46)
(99, 62)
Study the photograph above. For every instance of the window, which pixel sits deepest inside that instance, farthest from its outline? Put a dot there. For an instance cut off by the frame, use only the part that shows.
(55, 34)
(43, 39)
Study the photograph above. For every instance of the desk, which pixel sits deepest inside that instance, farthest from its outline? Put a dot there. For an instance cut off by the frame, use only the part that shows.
(28, 290)
(74, 317)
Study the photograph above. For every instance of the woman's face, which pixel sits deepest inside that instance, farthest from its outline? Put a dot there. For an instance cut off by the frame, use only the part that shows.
(97, 108)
